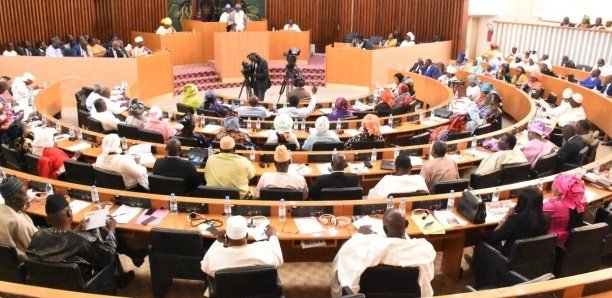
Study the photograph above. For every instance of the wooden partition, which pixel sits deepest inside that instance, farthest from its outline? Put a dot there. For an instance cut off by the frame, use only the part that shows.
(578, 74)
(155, 75)
(208, 29)
(186, 47)
(232, 47)
(281, 41)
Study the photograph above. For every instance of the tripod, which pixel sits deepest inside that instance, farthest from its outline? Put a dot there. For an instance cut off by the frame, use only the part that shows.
(289, 78)
(249, 89)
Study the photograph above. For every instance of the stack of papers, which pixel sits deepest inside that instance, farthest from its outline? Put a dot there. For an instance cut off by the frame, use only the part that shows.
(157, 216)
(386, 129)
(477, 153)
(352, 132)
(456, 157)
(308, 225)
(210, 129)
(375, 224)
(448, 219)
(325, 168)
(258, 229)
(125, 213)
(497, 210)
(79, 147)
(144, 152)
(77, 206)
(358, 168)
(300, 169)
(429, 122)
(429, 225)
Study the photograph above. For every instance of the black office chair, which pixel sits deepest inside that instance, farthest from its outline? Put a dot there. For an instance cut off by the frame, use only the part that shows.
(366, 144)
(350, 36)
(513, 173)
(324, 146)
(128, 131)
(275, 194)
(345, 193)
(491, 179)
(545, 166)
(592, 151)
(189, 142)
(10, 266)
(362, 114)
(376, 40)
(32, 163)
(254, 281)
(582, 159)
(552, 98)
(530, 258)
(67, 276)
(175, 254)
(12, 160)
(582, 251)
(184, 108)
(151, 136)
(408, 194)
(484, 129)
(165, 185)
(79, 172)
(94, 125)
(82, 118)
(388, 281)
(448, 185)
(420, 139)
(207, 113)
(108, 179)
(557, 139)
(215, 192)
(453, 136)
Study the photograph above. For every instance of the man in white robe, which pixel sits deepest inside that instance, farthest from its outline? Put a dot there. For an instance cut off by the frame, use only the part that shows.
(238, 18)
(505, 156)
(400, 182)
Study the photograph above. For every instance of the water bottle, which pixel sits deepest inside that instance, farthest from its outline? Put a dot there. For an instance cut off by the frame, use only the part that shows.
(227, 207)
(58, 127)
(210, 151)
(338, 124)
(273, 29)
(173, 204)
(402, 206)
(541, 184)
(390, 203)
(71, 132)
(252, 154)
(295, 126)
(421, 115)
(170, 115)
(495, 197)
(390, 120)
(396, 152)
(2, 175)
(451, 200)
(248, 126)
(202, 121)
(49, 189)
(596, 168)
(333, 105)
(282, 211)
(303, 124)
(373, 156)
(95, 198)
(79, 133)
(335, 153)
(474, 142)
(124, 146)
(258, 124)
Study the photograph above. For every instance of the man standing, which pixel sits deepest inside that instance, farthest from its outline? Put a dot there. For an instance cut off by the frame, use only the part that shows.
(366, 249)
(440, 168)
(282, 178)
(261, 76)
(23, 90)
(337, 179)
(228, 169)
(237, 18)
(400, 182)
(16, 227)
(290, 26)
(173, 166)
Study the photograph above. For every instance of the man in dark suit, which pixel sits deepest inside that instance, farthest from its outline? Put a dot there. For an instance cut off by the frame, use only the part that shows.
(173, 166)
(569, 153)
(115, 51)
(261, 75)
(337, 179)
(362, 43)
(606, 88)
(566, 62)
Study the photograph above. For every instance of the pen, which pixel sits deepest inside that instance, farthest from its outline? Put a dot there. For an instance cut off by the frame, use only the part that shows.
(124, 213)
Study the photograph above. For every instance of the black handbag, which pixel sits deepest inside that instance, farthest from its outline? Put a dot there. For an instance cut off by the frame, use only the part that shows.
(472, 208)
(198, 156)
(443, 113)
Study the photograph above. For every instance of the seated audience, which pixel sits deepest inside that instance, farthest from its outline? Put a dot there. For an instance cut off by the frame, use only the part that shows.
(282, 178)
(440, 168)
(136, 117)
(367, 249)
(190, 96)
(55, 50)
(283, 132)
(166, 27)
(520, 77)
(253, 110)
(518, 61)
(566, 208)
(341, 110)
(400, 182)
(566, 23)
(362, 43)
(336, 179)
(9, 50)
(231, 128)
(606, 88)
(294, 112)
(583, 129)
(299, 91)
(370, 126)
(227, 169)
(290, 26)
(18, 138)
(605, 69)
(139, 48)
(431, 70)
(535, 80)
(449, 77)
(418, 66)
(387, 100)
(569, 153)
(409, 41)
(585, 23)
(40, 49)
(575, 112)
(505, 156)
(473, 91)
(592, 82)
(51, 159)
(211, 104)
(115, 51)
(16, 227)
(94, 46)
(156, 123)
(598, 23)
(189, 123)
(531, 66)
(103, 93)
(567, 62)
(538, 145)
(391, 41)
(102, 114)
(321, 135)
(513, 53)
(112, 159)
(173, 166)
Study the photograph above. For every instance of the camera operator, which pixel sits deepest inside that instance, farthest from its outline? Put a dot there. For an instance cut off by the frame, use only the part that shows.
(261, 76)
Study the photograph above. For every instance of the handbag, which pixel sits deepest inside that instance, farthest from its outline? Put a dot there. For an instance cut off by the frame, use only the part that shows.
(472, 208)
(443, 113)
(198, 156)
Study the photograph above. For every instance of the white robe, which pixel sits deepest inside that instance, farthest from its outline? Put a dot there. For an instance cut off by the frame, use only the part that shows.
(571, 116)
(496, 160)
(258, 253)
(397, 184)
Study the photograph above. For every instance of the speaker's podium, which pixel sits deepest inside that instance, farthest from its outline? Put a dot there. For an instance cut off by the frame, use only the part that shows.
(186, 47)
(231, 48)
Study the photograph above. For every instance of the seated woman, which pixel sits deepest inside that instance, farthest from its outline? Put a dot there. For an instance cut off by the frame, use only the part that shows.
(535, 80)
(342, 110)
(16, 137)
(473, 89)
(504, 73)
(190, 96)
(387, 100)
(322, 135)
(211, 104)
(231, 128)
(371, 131)
(136, 111)
(51, 159)
(537, 146)
(189, 124)
(111, 159)
(567, 207)
(398, 80)
(520, 77)
(391, 41)
(156, 123)
(283, 126)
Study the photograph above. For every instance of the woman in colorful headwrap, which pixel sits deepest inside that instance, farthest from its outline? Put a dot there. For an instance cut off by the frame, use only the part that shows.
(6, 112)
(567, 208)
(231, 128)
(322, 134)
(136, 111)
(51, 159)
(387, 100)
(538, 146)
(166, 27)
(283, 125)
(371, 131)
(535, 80)
(157, 124)
(211, 104)
(342, 110)
(190, 96)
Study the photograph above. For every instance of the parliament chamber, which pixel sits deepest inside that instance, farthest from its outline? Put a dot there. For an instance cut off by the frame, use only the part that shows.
(417, 236)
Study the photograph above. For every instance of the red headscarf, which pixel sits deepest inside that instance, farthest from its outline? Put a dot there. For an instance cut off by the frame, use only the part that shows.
(387, 97)
(571, 190)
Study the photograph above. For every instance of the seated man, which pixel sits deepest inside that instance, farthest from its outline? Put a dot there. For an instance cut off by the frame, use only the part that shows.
(505, 156)
(22, 89)
(115, 51)
(227, 169)
(365, 249)
(572, 144)
(294, 112)
(440, 168)
(111, 159)
(173, 166)
(102, 114)
(253, 110)
(299, 90)
(321, 135)
(16, 227)
(103, 93)
(282, 178)
(291, 26)
(574, 113)
(400, 182)
(92, 250)
(592, 82)
(583, 129)
(337, 179)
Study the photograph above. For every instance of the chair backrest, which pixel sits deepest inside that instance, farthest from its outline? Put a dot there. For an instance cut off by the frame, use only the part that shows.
(552, 98)
(254, 281)
(151, 136)
(215, 192)
(207, 113)
(164, 185)
(366, 144)
(545, 166)
(593, 151)
(324, 146)
(184, 108)
(79, 172)
(408, 194)
(275, 194)
(420, 139)
(533, 257)
(345, 193)
(82, 118)
(350, 36)
(390, 281)
(361, 114)
(448, 185)
(176, 242)
(94, 125)
(556, 138)
(10, 158)
(108, 179)
(65, 276)
(483, 129)
(375, 39)
(10, 266)
(32, 163)
(514, 173)
(582, 251)
(272, 146)
(458, 135)
(487, 180)
(189, 142)
(128, 131)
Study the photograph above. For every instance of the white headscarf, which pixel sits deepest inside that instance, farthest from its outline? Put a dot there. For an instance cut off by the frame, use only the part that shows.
(155, 113)
(322, 124)
(111, 144)
(41, 141)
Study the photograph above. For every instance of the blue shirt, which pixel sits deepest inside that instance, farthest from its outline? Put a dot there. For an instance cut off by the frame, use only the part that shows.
(591, 83)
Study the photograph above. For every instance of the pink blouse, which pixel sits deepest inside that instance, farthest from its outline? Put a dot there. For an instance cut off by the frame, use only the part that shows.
(160, 126)
(559, 219)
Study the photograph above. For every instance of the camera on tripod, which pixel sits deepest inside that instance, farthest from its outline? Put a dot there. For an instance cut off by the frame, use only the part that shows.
(247, 69)
(291, 55)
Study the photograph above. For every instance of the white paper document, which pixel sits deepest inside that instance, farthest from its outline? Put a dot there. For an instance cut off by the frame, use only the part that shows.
(79, 147)
(78, 205)
(144, 152)
(352, 132)
(324, 168)
(210, 129)
(125, 213)
(477, 153)
(257, 228)
(300, 169)
(96, 219)
(308, 225)
(416, 161)
(448, 219)
(375, 224)
(325, 110)
(358, 168)
(497, 210)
